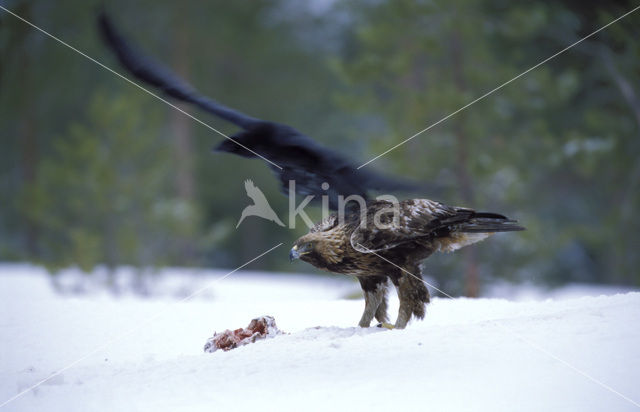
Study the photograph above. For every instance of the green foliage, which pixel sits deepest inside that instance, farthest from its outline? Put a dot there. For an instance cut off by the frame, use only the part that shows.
(554, 149)
(101, 195)
(89, 171)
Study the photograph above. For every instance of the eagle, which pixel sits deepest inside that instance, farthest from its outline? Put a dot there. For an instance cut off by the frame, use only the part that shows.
(388, 241)
(381, 240)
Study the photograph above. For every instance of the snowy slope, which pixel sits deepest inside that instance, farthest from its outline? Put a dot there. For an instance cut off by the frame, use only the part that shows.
(484, 354)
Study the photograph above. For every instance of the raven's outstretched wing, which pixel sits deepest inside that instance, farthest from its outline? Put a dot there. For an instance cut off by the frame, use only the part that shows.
(153, 73)
(298, 157)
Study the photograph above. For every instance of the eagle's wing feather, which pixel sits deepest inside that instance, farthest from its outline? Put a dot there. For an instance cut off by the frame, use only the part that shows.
(423, 219)
(416, 218)
(325, 224)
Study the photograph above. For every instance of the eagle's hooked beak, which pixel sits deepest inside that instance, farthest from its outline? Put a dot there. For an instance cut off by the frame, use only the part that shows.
(294, 254)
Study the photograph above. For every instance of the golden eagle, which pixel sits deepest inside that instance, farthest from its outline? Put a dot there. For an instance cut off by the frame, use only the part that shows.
(389, 241)
(383, 241)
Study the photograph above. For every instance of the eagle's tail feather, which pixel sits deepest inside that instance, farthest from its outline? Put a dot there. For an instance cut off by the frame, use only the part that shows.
(484, 222)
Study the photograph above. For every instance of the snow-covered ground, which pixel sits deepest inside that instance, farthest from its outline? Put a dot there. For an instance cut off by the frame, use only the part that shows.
(146, 354)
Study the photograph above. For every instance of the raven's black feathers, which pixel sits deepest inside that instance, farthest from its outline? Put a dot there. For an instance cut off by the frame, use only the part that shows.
(149, 71)
(298, 157)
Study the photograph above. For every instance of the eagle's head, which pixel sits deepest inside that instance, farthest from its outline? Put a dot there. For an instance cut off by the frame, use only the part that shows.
(315, 248)
(302, 248)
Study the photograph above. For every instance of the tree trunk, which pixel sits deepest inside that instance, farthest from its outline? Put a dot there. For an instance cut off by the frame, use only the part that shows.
(28, 137)
(180, 128)
(30, 156)
(180, 125)
(463, 176)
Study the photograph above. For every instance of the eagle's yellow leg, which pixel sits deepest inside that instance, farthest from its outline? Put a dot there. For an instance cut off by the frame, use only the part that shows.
(386, 325)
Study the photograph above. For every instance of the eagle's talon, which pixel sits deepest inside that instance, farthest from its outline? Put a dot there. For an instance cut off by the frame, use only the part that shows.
(385, 325)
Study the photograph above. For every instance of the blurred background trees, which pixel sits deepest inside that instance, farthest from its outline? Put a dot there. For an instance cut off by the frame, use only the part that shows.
(94, 171)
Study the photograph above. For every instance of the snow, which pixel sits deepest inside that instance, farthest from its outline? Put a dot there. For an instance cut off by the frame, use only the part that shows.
(468, 354)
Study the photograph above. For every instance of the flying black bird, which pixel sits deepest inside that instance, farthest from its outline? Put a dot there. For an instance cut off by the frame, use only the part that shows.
(291, 154)
(380, 242)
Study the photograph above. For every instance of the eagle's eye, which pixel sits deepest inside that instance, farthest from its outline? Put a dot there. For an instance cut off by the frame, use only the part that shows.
(305, 248)
(300, 249)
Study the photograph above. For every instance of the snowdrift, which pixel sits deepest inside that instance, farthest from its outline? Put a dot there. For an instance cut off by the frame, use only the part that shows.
(133, 353)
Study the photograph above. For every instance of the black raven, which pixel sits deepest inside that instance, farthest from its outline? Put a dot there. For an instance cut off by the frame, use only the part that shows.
(291, 155)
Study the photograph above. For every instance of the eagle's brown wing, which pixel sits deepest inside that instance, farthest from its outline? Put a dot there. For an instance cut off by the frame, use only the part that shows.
(325, 224)
(424, 219)
(415, 219)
